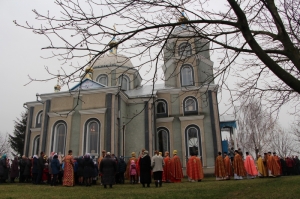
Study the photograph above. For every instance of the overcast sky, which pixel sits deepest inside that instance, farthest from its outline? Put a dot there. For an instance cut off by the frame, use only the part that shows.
(20, 56)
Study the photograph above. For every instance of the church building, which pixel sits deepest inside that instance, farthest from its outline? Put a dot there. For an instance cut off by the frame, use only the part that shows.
(111, 110)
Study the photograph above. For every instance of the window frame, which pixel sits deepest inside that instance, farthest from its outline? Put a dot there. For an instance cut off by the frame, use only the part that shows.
(187, 50)
(168, 138)
(187, 140)
(192, 112)
(120, 81)
(100, 76)
(160, 115)
(54, 146)
(36, 145)
(38, 120)
(86, 134)
(183, 78)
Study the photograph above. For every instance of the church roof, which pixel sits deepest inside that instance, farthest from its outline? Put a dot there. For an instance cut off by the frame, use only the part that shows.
(145, 90)
(111, 59)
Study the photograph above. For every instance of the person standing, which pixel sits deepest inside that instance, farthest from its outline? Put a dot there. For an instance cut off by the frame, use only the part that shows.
(145, 169)
(88, 167)
(238, 166)
(3, 169)
(14, 173)
(157, 164)
(99, 161)
(127, 174)
(250, 166)
(22, 168)
(262, 172)
(166, 173)
(26, 172)
(108, 169)
(69, 170)
(133, 172)
(273, 167)
(194, 168)
(175, 168)
(122, 169)
(220, 167)
(228, 167)
(55, 167)
(40, 166)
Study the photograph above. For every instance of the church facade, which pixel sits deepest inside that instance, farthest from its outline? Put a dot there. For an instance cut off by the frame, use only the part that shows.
(110, 109)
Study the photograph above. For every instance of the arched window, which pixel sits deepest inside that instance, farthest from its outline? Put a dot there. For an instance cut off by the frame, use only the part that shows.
(102, 79)
(187, 75)
(190, 106)
(163, 139)
(193, 140)
(91, 137)
(39, 118)
(124, 82)
(59, 138)
(162, 108)
(36, 145)
(185, 49)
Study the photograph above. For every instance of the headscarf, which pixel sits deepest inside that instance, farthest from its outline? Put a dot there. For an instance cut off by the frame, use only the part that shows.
(4, 156)
(35, 156)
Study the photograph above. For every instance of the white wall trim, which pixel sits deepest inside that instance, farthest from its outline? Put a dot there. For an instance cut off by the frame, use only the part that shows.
(165, 119)
(61, 114)
(193, 117)
(36, 129)
(92, 111)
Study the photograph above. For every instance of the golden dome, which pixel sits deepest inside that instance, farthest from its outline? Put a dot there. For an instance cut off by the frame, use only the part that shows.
(57, 88)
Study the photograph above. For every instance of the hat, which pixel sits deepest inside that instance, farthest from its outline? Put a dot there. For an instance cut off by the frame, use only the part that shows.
(175, 152)
(108, 153)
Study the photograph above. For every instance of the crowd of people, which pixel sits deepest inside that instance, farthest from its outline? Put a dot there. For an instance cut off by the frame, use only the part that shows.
(85, 170)
(237, 166)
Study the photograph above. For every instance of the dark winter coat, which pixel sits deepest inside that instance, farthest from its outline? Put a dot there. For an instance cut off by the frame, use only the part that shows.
(14, 172)
(3, 167)
(122, 166)
(145, 169)
(41, 163)
(88, 167)
(26, 171)
(108, 169)
(80, 167)
(55, 165)
(35, 166)
(22, 166)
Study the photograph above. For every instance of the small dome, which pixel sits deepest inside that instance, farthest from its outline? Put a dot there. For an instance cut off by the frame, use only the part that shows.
(112, 59)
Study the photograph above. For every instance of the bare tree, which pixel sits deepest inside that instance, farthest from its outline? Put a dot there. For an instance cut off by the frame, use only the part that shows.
(283, 143)
(256, 127)
(4, 144)
(258, 39)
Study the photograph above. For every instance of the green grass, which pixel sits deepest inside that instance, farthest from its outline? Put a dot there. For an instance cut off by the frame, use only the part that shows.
(283, 187)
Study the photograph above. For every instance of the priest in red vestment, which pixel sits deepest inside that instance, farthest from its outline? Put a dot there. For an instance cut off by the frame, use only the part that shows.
(166, 172)
(250, 166)
(194, 169)
(238, 166)
(228, 167)
(175, 168)
(220, 167)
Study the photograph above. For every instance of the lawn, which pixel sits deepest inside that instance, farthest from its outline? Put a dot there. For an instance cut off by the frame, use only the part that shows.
(283, 187)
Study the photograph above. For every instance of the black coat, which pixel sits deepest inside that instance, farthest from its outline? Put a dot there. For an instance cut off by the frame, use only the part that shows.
(3, 168)
(80, 167)
(108, 169)
(55, 166)
(41, 163)
(145, 169)
(35, 166)
(88, 167)
(27, 167)
(122, 166)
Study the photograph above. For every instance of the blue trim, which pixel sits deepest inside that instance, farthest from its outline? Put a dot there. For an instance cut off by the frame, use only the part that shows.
(77, 85)
(231, 124)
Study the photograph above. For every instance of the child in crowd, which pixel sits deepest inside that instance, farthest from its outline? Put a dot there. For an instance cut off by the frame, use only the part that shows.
(132, 172)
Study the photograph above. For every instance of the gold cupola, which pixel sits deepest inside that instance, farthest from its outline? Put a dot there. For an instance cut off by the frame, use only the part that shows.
(183, 17)
(57, 87)
(113, 44)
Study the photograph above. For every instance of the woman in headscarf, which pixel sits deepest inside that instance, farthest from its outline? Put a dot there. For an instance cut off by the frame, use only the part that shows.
(14, 173)
(88, 169)
(145, 169)
(68, 170)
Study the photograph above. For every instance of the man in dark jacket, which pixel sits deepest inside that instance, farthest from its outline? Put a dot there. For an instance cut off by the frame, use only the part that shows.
(41, 164)
(108, 169)
(121, 168)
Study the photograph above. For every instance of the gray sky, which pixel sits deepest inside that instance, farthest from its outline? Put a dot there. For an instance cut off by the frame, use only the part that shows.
(20, 56)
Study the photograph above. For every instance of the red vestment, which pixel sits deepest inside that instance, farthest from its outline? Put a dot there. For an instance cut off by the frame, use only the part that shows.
(127, 174)
(228, 167)
(220, 167)
(250, 166)
(194, 168)
(166, 172)
(176, 169)
(68, 171)
(238, 165)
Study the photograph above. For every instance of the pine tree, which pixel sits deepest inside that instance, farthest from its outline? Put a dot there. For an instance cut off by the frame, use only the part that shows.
(17, 140)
